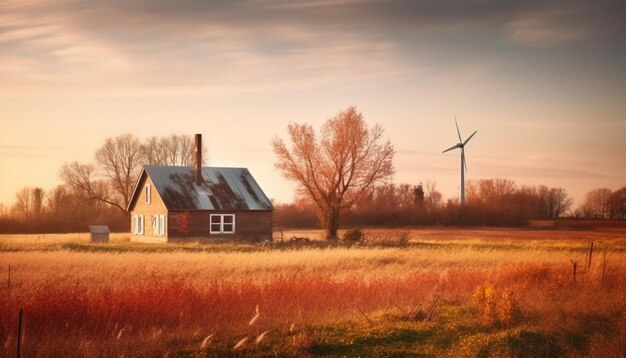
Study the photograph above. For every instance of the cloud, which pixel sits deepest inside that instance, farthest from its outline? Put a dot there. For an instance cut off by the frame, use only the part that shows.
(519, 171)
(317, 3)
(545, 29)
(259, 45)
(230, 47)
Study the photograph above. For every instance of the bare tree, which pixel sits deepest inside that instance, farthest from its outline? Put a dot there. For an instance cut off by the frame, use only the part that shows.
(433, 198)
(494, 193)
(59, 201)
(120, 161)
(38, 197)
(82, 177)
(617, 204)
(29, 203)
(596, 204)
(172, 150)
(418, 196)
(406, 196)
(560, 202)
(337, 169)
(154, 152)
(23, 203)
(553, 202)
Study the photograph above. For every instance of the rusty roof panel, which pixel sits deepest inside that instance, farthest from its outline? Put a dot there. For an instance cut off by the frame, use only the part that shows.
(222, 188)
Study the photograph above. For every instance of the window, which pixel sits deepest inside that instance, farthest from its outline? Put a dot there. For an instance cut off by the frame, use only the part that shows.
(162, 225)
(148, 194)
(222, 223)
(155, 224)
(158, 225)
(138, 224)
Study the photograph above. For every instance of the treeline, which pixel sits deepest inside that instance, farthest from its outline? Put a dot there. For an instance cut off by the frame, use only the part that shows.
(60, 210)
(491, 202)
(603, 204)
(99, 193)
(94, 193)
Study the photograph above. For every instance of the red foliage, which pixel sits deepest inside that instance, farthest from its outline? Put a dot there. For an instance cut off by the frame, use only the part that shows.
(56, 319)
(148, 319)
(184, 222)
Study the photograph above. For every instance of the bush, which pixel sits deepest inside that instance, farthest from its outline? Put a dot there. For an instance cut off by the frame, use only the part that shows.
(497, 307)
(354, 236)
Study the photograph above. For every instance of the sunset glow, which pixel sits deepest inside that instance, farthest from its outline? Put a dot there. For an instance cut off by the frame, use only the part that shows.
(543, 85)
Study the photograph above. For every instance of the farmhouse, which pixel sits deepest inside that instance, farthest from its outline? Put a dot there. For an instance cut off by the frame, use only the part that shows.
(176, 202)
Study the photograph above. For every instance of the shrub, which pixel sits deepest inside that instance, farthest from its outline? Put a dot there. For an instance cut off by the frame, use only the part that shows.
(502, 308)
(354, 236)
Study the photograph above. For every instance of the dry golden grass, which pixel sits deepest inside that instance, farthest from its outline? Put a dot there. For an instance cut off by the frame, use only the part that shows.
(43, 241)
(129, 301)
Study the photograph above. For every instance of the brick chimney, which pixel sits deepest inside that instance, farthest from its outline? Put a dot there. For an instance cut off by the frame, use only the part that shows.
(198, 159)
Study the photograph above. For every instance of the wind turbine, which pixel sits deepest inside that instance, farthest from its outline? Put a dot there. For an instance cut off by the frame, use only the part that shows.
(461, 144)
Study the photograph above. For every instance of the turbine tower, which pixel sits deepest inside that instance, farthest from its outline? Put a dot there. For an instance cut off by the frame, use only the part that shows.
(461, 144)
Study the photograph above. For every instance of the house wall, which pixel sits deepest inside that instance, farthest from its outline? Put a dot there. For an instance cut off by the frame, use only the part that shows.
(198, 224)
(156, 207)
(255, 224)
(252, 225)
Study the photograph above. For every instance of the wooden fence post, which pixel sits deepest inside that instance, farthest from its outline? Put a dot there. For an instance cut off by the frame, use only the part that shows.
(18, 351)
(9, 282)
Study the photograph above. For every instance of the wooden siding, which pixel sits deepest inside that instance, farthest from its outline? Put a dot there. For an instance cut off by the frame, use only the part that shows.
(252, 225)
(140, 207)
(198, 224)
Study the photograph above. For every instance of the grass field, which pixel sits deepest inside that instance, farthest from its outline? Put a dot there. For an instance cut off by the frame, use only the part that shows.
(417, 292)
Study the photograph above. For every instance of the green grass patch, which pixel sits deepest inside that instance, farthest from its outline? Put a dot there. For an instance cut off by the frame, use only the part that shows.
(159, 248)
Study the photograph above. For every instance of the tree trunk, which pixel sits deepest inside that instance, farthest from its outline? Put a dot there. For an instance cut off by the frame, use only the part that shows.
(331, 224)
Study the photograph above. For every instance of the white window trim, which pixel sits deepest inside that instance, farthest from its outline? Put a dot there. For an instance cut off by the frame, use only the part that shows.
(141, 225)
(221, 223)
(158, 225)
(148, 193)
(161, 220)
(138, 224)
(155, 224)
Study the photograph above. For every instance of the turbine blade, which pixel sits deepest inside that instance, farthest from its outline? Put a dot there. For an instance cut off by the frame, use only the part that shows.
(457, 130)
(449, 149)
(470, 137)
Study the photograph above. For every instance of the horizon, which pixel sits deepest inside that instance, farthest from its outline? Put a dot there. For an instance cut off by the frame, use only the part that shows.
(542, 84)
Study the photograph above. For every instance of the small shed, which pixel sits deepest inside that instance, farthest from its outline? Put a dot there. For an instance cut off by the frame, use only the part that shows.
(98, 233)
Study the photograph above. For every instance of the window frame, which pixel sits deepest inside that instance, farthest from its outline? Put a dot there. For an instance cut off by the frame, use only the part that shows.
(155, 224)
(161, 221)
(138, 224)
(221, 222)
(158, 225)
(148, 193)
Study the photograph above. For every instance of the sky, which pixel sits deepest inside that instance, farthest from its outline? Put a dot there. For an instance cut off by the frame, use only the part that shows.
(543, 83)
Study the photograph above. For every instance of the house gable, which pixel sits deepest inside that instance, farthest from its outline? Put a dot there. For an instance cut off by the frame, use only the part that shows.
(148, 213)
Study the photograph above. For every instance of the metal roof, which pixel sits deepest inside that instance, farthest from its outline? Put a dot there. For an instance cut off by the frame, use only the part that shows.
(222, 188)
(98, 229)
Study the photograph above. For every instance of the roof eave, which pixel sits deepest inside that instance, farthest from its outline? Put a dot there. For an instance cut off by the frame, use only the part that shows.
(132, 198)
